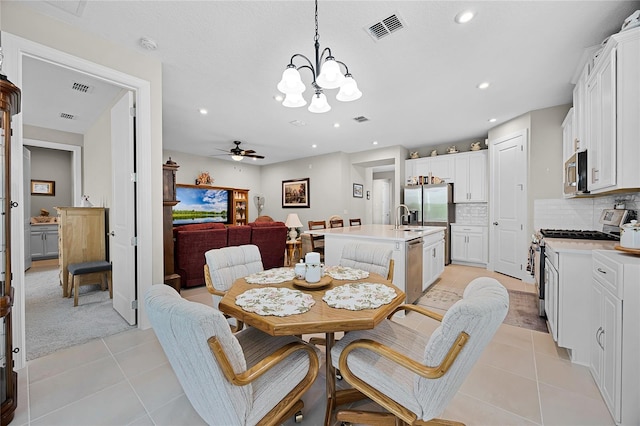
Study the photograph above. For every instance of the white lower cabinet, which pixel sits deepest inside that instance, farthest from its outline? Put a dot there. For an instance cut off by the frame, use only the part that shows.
(469, 244)
(615, 336)
(432, 259)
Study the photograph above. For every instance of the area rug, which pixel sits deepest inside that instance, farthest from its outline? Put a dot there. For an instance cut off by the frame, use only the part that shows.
(53, 323)
(523, 306)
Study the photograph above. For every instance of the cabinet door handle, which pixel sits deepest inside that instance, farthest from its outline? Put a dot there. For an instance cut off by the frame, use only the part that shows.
(598, 335)
(433, 252)
(601, 271)
(600, 339)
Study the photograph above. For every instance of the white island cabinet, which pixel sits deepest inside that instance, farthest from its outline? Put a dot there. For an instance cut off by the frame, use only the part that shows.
(385, 235)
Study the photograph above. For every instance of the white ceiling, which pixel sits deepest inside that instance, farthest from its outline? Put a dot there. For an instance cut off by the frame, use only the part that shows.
(418, 84)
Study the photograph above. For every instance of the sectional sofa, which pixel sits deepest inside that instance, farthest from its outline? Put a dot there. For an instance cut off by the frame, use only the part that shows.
(192, 241)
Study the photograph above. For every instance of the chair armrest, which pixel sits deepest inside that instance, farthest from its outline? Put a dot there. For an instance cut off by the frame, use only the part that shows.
(266, 364)
(426, 312)
(207, 280)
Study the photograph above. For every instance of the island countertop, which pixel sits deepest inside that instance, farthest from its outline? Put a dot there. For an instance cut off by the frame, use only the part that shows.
(378, 232)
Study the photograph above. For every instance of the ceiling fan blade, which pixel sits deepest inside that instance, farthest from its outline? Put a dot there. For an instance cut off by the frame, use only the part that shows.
(254, 156)
(248, 151)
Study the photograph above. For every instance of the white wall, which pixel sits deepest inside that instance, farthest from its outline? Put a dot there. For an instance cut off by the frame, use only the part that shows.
(50, 135)
(54, 165)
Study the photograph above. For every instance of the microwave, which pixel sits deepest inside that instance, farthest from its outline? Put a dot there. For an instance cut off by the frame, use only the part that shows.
(575, 174)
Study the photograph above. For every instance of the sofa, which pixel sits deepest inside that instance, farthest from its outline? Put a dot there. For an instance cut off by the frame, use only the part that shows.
(191, 242)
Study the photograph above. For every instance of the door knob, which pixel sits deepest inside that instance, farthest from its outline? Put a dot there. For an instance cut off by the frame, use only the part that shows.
(495, 223)
(112, 233)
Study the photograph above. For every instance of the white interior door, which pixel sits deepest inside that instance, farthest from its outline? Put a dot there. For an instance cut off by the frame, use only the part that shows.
(508, 206)
(26, 210)
(122, 214)
(381, 201)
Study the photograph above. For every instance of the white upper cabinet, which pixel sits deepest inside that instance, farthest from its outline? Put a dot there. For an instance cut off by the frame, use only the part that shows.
(439, 166)
(569, 141)
(470, 177)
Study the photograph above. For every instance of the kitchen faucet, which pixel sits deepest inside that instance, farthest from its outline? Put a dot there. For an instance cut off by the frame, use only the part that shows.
(406, 209)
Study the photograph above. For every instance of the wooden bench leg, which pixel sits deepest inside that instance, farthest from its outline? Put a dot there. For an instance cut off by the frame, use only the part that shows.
(76, 289)
(106, 276)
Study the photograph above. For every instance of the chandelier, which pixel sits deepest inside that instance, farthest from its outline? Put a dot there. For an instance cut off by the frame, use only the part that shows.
(329, 76)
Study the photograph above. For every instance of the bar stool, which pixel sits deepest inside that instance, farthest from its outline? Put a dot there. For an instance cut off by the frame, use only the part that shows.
(78, 269)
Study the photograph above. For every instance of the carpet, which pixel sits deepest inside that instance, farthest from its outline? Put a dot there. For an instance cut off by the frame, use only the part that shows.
(53, 323)
(523, 306)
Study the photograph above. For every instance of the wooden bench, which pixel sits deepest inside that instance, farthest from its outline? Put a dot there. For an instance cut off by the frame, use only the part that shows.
(77, 270)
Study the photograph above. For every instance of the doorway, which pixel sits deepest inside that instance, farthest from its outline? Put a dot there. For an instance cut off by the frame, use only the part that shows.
(16, 50)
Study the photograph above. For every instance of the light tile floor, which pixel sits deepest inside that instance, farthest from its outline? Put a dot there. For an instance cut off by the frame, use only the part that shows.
(522, 378)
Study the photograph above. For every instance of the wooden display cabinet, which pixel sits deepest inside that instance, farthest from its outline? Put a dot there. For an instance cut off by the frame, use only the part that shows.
(169, 200)
(240, 202)
(9, 106)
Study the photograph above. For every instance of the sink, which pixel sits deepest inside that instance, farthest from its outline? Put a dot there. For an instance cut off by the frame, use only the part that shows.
(407, 229)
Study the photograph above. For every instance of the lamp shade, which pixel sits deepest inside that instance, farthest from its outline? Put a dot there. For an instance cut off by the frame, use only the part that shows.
(293, 221)
(237, 157)
(330, 76)
(294, 100)
(291, 81)
(319, 103)
(349, 90)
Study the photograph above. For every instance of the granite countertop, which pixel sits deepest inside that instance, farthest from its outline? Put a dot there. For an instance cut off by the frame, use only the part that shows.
(379, 232)
(572, 245)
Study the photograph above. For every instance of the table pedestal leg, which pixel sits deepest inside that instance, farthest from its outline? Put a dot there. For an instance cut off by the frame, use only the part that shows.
(331, 379)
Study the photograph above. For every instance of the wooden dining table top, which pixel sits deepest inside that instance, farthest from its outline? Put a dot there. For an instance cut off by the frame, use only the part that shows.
(321, 318)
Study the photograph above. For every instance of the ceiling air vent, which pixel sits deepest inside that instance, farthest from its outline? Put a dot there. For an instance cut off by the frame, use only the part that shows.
(386, 26)
(361, 119)
(67, 116)
(79, 87)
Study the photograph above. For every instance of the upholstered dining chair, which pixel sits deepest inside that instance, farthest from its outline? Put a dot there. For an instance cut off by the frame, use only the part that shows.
(414, 375)
(355, 222)
(225, 265)
(230, 379)
(369, 257)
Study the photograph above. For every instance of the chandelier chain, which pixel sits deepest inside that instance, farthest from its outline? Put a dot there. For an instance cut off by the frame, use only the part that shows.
(317, 36)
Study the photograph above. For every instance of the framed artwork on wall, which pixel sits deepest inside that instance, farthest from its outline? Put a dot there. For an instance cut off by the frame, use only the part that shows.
(295, 193)
(357, 190)
(43, 187)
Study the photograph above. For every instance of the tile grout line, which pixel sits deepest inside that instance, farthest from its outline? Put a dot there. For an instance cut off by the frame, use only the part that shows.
(535, 369)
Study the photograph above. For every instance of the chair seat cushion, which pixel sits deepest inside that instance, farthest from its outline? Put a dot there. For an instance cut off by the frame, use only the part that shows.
(386, 376)
(88, 267)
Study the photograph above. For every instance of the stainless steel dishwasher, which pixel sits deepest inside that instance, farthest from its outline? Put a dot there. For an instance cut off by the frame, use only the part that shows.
(413, 269)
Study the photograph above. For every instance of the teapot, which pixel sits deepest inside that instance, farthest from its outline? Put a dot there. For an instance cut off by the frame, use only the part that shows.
(300, 270)
(475, 146)
(434, 153)
(414, 154)
(452, 149)
(630, 235)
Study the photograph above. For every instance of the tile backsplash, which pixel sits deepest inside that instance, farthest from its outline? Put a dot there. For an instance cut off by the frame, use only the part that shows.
(577, 213)
(472, 214)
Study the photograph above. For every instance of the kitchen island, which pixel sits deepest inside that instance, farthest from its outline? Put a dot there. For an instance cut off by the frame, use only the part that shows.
(412, 274)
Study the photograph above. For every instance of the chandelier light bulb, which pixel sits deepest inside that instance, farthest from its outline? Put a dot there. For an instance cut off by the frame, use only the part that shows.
(291, 81)
(294, 100)
(319, 103)
(237, 157)
(330, 76)
(349, 90)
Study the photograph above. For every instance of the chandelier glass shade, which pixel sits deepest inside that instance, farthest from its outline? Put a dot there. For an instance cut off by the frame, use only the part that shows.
(326, 75)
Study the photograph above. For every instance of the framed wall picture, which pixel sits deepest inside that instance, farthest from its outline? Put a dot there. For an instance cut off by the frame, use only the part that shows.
(295, 193)
(357, 190)
(43, 187)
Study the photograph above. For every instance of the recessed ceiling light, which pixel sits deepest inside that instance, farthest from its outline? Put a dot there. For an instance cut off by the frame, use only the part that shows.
(492, 120)
(464, 17)
(314, 146)
(375, 142)
(483, 85)
(278, 98)
(336, 125)
(203, 111)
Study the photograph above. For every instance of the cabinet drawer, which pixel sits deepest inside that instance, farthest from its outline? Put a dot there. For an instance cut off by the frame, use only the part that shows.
(468, 229)
(608, 273)
(432, 238)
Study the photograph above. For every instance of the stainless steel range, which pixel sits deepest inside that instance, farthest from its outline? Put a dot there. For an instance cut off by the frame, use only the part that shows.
(611, 219)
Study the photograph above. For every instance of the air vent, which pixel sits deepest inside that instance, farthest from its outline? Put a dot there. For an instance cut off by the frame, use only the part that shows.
(79, 87)
(67, 116)
(386, 26)
(361, 119)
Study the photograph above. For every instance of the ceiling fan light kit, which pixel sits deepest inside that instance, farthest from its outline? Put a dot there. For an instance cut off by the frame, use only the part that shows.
(326, 75)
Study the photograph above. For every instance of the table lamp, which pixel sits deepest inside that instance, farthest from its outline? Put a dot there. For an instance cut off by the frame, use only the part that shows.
(293, 222)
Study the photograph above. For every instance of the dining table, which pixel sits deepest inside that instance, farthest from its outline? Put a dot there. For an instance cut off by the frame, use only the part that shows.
(309, 311)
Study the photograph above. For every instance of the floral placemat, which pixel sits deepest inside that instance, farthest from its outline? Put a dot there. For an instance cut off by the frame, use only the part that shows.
(345, 273)
(280, 302)
(358, 296)
(271, 276)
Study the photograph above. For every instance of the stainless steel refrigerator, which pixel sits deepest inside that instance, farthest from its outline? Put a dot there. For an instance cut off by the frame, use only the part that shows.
(432, 205)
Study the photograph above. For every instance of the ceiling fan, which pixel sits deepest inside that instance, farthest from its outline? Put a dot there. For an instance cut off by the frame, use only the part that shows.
(238, 153)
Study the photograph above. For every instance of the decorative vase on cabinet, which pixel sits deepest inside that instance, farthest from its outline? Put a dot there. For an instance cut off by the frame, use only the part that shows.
(9, 106)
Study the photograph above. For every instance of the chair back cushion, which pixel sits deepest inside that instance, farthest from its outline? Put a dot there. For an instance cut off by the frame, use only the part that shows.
(479, 313)
(183, 327)
(368, 257)
(227, 264)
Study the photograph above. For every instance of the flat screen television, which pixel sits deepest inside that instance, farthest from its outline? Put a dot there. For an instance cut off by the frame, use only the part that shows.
(201, 205)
